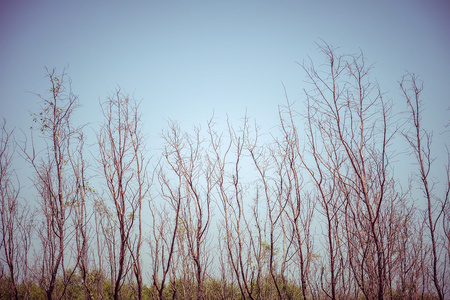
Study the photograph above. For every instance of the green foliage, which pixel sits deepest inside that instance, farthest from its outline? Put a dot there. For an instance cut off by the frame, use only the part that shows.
(267, 289)
(29, 290)
(56, 85)
(5, 290)
(130, 215)
(212, 289)
(101, 288)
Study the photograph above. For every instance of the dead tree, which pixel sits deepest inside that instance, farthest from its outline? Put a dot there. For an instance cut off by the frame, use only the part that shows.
(243, 255)
(82, 214)
(271, 166)
(15, 219)
(301, 206)
(53, 176)
(349, 128)
(420, 141)
(121, 146)
(190, 197)
(165, 226)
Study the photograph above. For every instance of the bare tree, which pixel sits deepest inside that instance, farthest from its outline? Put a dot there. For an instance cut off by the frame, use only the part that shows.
(409, 255)
(190, 197)
(230, 187)
(349, 132)
(420, 141)
(53, 176)
(271, 166)
(165, 229)
(121, 145)
(256, 247)
(16, 220)
(105, 227)
(9, 194)
(81, 214)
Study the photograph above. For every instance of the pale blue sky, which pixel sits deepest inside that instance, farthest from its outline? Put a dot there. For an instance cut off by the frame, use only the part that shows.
(186, 59)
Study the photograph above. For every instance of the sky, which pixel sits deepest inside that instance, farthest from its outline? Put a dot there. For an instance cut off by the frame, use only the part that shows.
(188, 60)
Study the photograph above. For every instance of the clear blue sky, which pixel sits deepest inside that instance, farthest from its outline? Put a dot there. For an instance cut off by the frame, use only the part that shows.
(186, 59)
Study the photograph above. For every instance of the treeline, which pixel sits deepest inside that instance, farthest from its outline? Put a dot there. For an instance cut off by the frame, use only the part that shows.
(314, 212)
